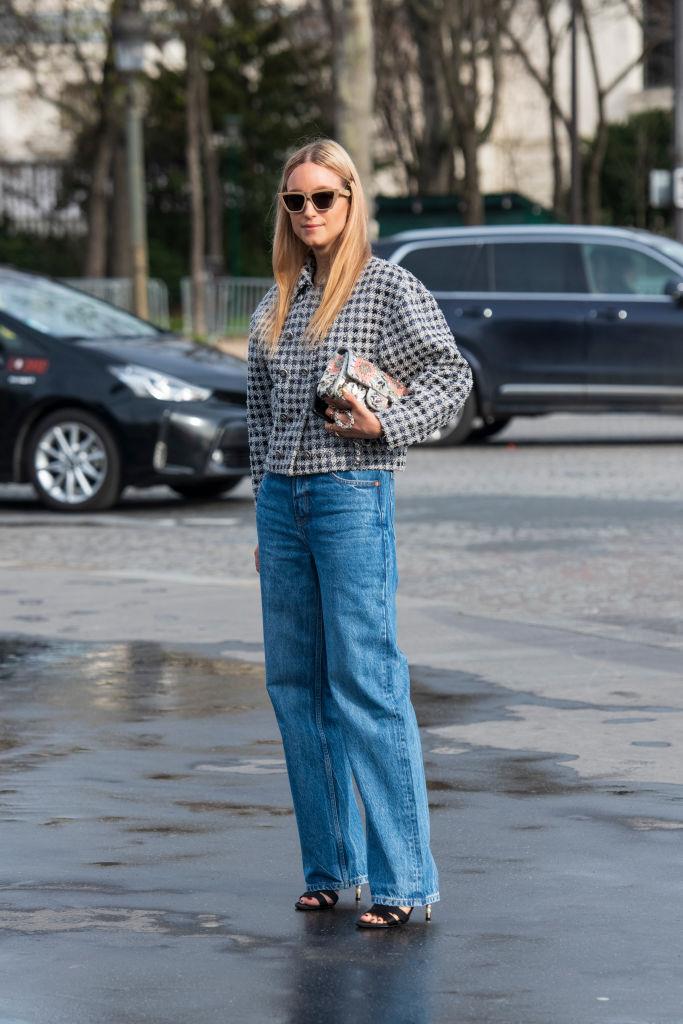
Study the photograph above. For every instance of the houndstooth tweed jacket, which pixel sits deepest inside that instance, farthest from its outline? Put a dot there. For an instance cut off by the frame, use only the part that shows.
(390, 318)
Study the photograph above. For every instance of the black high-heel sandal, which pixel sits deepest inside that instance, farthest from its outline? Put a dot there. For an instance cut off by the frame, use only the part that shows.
(319, 895)
(392, 917)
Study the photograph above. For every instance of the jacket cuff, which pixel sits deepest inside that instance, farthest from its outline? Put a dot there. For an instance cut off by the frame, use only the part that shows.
(393, 426)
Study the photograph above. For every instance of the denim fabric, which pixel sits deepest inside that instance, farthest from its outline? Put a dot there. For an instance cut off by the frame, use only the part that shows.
(339, 683)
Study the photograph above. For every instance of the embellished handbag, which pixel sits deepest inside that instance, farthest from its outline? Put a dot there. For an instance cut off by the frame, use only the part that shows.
(372, 386)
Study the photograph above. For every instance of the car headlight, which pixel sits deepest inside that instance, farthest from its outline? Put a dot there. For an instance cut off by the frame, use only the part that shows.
(146, 383)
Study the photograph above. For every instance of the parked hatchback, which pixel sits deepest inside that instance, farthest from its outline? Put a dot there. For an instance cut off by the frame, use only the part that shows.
(554, 318)
(93, 399)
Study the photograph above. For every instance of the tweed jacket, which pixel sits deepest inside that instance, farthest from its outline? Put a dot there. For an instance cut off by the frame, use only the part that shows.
(390, 318)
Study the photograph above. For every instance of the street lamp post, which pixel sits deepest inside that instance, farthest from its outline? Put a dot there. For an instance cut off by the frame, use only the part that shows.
(677, 178)
(575, 186)
(130, 35)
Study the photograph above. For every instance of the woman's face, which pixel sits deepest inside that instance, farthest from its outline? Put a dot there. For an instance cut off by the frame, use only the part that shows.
(319, 229)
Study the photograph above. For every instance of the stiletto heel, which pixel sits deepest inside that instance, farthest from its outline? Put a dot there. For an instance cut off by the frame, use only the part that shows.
(428, 912)
(358, 894)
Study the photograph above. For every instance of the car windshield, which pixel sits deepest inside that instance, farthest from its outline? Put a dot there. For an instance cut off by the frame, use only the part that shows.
(63, 312)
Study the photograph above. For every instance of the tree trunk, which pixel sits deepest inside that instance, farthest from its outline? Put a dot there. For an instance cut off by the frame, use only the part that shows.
(95, 261)
(215, 256)
(196, 185)
(354, 75)
(120, 215)
(436, 167)
(593, 174)
(474, 204)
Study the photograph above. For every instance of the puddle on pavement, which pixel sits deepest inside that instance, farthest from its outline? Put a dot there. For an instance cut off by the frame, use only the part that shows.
(210, 806)
(127, 681)
(127, 919)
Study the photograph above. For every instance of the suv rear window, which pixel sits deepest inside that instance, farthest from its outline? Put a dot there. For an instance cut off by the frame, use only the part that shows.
(617, 270)
(448, 268)
(538, 267)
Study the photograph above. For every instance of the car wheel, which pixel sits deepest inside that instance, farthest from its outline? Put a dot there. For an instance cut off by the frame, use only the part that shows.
(206, 488)
(458, 429)
(489, 429)
(74, 462)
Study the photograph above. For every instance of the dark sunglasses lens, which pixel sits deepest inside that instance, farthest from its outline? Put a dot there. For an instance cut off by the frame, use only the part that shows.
(294, 201)
(323, 200)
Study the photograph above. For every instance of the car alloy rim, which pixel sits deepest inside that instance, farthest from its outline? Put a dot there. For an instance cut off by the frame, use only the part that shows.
(70, 463)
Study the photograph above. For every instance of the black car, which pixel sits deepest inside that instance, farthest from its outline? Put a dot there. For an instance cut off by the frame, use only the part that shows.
(554, 318)
(93, 399)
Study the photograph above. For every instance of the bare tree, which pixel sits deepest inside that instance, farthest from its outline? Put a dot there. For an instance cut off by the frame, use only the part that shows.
(353, 49)
(659, 25)
(68, 69)
(541, 63)
(440, 79)
(196, 185)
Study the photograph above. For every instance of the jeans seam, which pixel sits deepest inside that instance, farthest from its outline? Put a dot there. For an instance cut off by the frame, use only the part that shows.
(406, 770)
(323, 742)
(406, 901)
(359, 485)
(356, 880)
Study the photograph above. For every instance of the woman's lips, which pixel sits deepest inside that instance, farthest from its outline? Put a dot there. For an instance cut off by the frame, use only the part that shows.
(312, 227)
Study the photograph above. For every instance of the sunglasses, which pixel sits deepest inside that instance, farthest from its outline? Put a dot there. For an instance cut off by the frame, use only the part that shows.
(322, 198)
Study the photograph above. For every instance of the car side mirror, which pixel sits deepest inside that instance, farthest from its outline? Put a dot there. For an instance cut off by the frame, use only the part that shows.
(674, 289)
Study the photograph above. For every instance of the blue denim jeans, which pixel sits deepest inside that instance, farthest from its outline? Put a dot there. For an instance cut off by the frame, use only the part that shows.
(339, 682)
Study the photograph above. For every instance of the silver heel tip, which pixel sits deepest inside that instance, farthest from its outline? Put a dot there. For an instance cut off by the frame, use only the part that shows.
(358, 894)
(428, 912)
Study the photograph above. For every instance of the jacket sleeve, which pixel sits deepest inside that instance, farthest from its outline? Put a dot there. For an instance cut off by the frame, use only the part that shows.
(420, 351)
(259, 415)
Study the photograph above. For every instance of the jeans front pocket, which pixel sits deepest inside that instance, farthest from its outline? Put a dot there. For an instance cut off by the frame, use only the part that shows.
(358, 477)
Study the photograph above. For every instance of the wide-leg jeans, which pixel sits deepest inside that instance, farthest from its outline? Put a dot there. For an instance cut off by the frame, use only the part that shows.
(339, 683)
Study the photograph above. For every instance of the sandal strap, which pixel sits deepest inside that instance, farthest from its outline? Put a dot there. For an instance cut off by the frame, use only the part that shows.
(387, 912)
(317, 894)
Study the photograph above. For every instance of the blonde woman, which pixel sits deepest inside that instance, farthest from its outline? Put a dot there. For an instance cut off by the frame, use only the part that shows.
(337, 679)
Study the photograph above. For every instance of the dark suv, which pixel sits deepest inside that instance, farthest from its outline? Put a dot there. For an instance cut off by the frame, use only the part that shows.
(554, 318)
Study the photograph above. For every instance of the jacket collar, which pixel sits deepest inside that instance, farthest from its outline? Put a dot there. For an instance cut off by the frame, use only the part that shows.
(305, 279)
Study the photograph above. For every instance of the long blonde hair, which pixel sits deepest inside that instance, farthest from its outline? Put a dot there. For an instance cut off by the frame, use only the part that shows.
(350, 254)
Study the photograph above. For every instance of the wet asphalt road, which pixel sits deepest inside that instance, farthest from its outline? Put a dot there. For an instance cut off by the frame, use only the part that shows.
(150, 861)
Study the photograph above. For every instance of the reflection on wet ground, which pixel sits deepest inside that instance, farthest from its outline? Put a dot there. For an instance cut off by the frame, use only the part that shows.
(135, 786)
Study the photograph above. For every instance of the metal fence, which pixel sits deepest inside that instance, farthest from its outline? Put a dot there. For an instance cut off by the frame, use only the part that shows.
(30, 200)
(119, 291)
(229, 303)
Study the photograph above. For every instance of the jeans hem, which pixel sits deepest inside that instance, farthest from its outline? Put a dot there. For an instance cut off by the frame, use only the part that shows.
(400, 901)
(358, 880)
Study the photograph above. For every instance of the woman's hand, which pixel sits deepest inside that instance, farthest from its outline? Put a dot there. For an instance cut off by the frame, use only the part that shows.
(365, 423)
(257, 562)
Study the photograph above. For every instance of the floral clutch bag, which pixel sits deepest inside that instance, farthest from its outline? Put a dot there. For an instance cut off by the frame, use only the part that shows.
(372, 386)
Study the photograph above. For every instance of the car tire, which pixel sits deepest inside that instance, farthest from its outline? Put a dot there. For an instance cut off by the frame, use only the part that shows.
(74, 462)
(458, 430)
(205, 489)
(489, 429)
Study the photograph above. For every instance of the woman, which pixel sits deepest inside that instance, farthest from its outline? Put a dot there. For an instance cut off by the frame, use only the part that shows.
(337, 679)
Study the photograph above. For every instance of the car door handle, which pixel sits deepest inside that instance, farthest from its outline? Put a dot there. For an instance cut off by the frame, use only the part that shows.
(476, 312)
(612, 313)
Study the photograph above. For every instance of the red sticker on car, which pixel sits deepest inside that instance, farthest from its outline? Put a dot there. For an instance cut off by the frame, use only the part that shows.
(22, 364)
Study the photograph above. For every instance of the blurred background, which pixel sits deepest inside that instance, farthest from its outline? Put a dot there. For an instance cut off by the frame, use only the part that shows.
(145, 139)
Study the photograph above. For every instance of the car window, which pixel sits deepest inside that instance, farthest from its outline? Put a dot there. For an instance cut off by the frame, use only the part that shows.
(617, 270)
(61, 312)
(538, 267)
(448, 268)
